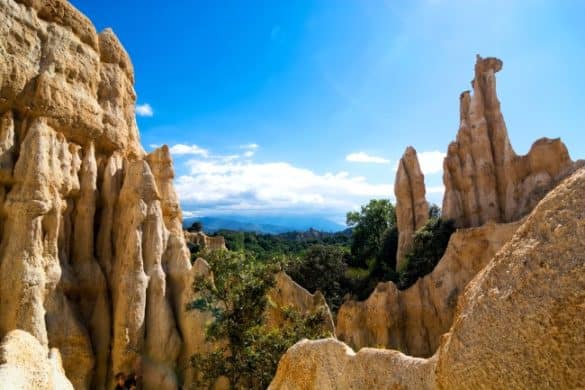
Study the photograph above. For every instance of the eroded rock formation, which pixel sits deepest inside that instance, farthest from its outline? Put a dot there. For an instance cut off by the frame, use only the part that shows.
(413, 320)
(93, 261)
(26, 364)
(412, 208)
(484, 178)
(205, 242)
(518, 324)
(287, 293)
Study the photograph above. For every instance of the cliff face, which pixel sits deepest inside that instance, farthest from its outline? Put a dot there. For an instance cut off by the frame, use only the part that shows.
(412, 208)
(95, 274)
(518, 324)
(93, 262)
(484, 178)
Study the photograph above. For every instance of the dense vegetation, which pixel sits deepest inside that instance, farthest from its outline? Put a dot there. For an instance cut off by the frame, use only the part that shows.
(237, 299)
(352, 262)
(267, 246)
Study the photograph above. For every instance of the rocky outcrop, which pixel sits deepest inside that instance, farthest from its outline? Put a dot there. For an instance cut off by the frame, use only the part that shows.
(286, 293)
(518, 324)
(330, 364)
(484, 178)
(413, 320)
(26, 364)
(412, 208)
(205, 242)
(93, 261)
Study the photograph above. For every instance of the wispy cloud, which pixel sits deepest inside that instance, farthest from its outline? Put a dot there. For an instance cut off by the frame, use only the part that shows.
(250, 149)
(233, 185)
(144, 110)
(361, 157)
(180, 149)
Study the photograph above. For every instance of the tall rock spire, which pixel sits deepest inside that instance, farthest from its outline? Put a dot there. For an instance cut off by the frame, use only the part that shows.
(412, 209)
(485, 180)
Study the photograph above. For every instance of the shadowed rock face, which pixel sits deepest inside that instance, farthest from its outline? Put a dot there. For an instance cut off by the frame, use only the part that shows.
(518, 324)
(484, 178)
(412, 208)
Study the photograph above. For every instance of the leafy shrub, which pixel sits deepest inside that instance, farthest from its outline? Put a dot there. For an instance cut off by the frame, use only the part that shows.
(429, 245)
(322, 268)
(237, 299)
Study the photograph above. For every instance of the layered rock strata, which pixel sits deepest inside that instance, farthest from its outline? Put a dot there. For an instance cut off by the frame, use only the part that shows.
(412, 208)
(518, 323)
(485, 180)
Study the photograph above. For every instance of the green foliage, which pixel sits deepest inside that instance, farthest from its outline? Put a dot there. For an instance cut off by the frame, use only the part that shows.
(429, 245)
(369, 226)
(237, 299)
(321, 267)
(267, 246)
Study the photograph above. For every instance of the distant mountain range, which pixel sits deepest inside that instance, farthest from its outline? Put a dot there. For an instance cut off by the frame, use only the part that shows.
(266, 224)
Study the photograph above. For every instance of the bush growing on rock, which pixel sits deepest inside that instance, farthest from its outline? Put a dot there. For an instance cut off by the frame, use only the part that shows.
(429, 245)
(249, 350)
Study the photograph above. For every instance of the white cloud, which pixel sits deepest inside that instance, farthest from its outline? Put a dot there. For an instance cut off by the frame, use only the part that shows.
(361, 157)
(238, 185)
(188, 149)
(144, 110)
(250, 146)
(431, 162)
(249, 153)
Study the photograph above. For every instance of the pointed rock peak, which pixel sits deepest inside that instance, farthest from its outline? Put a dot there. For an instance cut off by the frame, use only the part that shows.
(484, 178)
(412, 209)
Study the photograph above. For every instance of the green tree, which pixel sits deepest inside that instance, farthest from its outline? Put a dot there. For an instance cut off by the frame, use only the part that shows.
(369, 226)
(322, 268)
(237, 300)
(428, 246)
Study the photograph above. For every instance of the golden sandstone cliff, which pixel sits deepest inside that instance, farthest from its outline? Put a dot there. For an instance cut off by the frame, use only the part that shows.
(95, 274)
(519, 282)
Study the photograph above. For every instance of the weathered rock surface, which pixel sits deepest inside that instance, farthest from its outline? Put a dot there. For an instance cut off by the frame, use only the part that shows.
(413, 320)
(412, 208)
(287, 293)
(484, 178)
(519, 323)
(205, 242)
(330, 364)
(93, 261)
(26, 364)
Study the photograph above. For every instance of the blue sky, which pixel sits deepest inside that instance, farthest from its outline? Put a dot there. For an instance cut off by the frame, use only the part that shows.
(306, 106)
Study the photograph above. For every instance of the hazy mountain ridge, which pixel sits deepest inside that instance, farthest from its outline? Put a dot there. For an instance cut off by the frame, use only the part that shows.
(265, 224)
